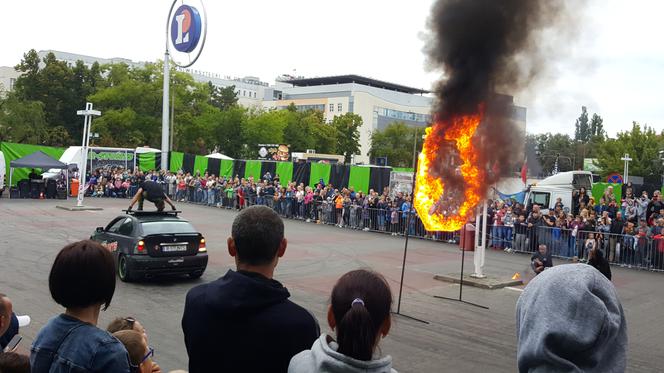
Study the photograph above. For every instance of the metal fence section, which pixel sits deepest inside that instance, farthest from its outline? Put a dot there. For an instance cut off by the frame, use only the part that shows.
(639, 250)
(384, 220)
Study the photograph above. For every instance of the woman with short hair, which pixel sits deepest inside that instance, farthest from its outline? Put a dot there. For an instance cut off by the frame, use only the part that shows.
(82, 280)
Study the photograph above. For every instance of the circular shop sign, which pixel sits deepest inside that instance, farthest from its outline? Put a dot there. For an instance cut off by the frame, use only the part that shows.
(186, 30)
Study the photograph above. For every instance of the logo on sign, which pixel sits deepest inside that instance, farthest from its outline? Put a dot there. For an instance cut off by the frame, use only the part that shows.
(186, 28)
(614, 178)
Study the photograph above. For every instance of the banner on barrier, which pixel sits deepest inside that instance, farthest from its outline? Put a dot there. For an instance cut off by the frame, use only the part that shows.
(401, 182)
(107, 159)
(274, 152)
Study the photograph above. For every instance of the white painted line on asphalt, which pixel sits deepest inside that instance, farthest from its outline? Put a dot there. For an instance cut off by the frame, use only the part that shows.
(515, 289)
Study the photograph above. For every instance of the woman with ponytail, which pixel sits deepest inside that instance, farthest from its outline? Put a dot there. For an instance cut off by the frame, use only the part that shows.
(359, 313)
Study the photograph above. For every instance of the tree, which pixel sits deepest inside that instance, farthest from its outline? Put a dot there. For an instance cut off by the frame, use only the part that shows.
(23, 121)
(61, 88)
(582, 131)
(300, 127)
(396, 143)
(596, 127)
(131, 103)
(348, 134)
(325, 138)
(642, 145)
(263, 127)
(552, 147)
(228, 131)
(223, 98)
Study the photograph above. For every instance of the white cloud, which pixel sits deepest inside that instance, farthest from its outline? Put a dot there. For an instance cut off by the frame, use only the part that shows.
(616, 69)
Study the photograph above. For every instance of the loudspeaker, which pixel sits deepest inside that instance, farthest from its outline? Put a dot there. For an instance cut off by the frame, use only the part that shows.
(51, 189)
(62, 193)
(14, 193)
(24, 189)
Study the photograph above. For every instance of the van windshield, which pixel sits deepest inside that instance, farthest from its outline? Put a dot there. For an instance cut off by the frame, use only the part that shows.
(582, 180)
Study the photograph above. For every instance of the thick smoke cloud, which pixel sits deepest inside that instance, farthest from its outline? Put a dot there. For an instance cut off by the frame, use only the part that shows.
(489, 49)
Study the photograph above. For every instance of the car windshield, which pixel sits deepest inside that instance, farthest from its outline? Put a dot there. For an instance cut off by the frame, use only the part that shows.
(171, 226)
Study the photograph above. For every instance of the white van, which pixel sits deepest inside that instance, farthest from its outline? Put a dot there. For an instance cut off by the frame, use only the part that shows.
(560, 185)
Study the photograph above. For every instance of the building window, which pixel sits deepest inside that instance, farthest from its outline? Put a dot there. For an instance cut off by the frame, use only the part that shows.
(340, 107)
(331, 107)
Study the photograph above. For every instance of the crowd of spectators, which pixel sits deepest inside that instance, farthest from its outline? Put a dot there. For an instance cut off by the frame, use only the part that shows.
(627, 231)
(245, 321)
(262, 330)
(324, 203)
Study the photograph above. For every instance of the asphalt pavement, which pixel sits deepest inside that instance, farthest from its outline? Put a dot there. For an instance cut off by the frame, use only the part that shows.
(456, 338)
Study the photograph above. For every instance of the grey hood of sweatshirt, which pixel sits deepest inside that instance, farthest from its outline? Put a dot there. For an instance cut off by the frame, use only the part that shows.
(569, 319)
(323, 357)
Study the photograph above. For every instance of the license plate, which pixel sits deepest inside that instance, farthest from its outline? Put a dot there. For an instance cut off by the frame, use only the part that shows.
(173, 248)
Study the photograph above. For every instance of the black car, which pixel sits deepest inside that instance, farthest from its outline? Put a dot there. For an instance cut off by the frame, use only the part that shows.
(149, 243)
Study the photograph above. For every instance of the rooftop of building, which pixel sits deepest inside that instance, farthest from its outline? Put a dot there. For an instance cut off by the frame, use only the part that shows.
(345, 79)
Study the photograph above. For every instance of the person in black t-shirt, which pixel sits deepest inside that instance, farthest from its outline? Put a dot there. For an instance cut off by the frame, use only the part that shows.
(154, 193)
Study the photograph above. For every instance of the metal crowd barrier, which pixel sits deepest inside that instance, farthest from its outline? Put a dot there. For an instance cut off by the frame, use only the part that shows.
(641, 251)
(349, 217)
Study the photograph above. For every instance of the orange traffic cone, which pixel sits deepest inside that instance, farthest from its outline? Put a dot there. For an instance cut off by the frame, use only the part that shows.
(517, 276)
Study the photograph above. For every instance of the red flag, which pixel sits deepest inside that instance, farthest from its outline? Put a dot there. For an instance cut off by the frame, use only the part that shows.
(524, 171)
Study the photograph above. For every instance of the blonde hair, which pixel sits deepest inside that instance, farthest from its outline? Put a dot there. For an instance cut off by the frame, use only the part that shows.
(134, 343)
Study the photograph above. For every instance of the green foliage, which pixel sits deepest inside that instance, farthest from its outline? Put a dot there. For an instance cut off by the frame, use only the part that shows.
(22, 121)
(550, 147)
(582, 132)
(265, 128)
(299, 130)
(585, 132)
(325, 137)
(223, 98)
(396, 143)
(596, 127)
(642, 145)
(42, 110)
(228, 131)
(348, 134)
(62, 89)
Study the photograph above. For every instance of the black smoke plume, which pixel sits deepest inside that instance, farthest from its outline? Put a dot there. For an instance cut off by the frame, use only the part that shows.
(489, 50)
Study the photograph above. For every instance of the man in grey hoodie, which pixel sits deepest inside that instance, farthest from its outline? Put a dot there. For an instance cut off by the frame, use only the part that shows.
(569, 319)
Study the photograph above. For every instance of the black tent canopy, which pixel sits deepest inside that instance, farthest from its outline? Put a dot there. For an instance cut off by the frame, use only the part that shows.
(37, 159)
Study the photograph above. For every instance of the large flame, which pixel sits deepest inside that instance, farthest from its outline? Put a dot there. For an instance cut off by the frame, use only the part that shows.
(429, 189)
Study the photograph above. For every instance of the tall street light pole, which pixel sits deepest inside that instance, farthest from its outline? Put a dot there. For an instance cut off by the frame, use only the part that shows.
(626, 159)
(87, 125)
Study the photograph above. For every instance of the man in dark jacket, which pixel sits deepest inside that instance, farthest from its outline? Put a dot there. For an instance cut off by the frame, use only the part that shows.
(534, 223)
(616, 230)
(244, 322)
(153, 192)
(541, 260)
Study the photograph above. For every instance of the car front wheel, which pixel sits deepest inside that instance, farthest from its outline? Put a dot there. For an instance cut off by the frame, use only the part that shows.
(123, 269)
